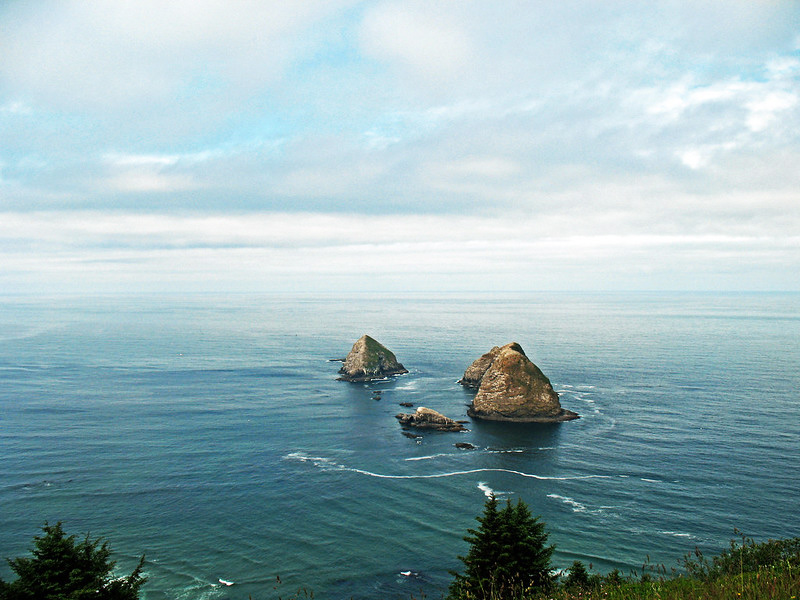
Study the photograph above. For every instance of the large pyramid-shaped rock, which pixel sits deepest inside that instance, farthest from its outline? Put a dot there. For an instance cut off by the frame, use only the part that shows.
(368, 360)
(474, 373)
(512, 388)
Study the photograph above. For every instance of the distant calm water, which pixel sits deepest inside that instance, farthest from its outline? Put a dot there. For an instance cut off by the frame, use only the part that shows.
(210, 433)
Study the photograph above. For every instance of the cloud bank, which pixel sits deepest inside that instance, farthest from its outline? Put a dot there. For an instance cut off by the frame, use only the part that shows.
(331, 146)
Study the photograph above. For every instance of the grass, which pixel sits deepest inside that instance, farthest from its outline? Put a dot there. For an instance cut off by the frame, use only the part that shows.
(746, 571)
(764, 584)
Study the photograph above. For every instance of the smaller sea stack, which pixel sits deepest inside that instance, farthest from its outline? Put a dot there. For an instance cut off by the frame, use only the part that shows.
(368, 360)
(427, 418)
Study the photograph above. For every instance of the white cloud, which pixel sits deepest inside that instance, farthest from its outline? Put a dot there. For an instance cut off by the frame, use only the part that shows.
(137, 160)
(295, 252)
(434, 134)
(123, 54)
(694, 158)
(698, 157)
(16, 108)
(673, 102)
(424, 41)
(766, 110)
(92, 229)
(783, 67)
(490, 167)
(143, 181)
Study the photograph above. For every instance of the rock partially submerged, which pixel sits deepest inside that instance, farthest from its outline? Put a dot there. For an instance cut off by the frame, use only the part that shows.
(368, 360)
(512, 388)
(426, 418)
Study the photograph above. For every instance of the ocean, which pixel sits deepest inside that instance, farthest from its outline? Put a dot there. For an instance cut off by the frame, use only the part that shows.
(210, 433)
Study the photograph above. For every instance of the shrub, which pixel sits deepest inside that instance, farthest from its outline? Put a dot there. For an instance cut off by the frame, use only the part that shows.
(577, 577)
(61, 569)
(745, 556)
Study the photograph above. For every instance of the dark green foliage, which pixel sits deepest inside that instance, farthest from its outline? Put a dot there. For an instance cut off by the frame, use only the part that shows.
(507, 554)
(577, 577)
(614, 578)
(745, 556)
(61, 569)
(747, 570)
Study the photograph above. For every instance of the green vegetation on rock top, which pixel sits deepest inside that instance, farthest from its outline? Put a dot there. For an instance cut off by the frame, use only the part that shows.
(375, 350)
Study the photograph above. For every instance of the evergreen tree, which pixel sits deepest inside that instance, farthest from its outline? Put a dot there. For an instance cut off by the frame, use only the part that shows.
(507, 552)
(61, 569)
(578, 576)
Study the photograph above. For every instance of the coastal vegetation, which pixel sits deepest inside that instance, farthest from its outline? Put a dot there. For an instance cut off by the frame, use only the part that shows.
(507, 552)
(508, 559)
(61, 568)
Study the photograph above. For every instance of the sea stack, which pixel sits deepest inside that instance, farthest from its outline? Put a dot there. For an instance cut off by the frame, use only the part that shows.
(512, 388)
(368, 360)
(427, 418)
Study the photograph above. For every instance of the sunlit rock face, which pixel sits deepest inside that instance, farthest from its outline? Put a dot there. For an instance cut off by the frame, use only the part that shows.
(427, 418)
(369, 359)
(512, 388)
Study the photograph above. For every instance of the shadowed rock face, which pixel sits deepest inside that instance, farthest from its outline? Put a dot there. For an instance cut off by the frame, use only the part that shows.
(369, 360)
(474, 373)
(427, 418)
(512, 388)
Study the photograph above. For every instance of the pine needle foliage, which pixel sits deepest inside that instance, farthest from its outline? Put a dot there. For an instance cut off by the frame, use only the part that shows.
(62, 569)
(507, 552)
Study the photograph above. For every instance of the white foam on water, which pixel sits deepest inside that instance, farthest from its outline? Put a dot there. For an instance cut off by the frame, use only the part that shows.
(574, 504)
(580, 507)
(410, 385)
(517, 450)
(651, 480)
(591, 403)
(678, 534)
(328, 464)
(321, 462)
(200, 590)
(472, 472)
(488, 492)
(432, 456)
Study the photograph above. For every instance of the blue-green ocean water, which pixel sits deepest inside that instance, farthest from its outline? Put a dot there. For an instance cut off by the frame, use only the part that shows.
(209, 432)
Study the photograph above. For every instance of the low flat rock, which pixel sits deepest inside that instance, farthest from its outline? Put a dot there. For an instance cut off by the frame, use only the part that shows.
(426, 418)
(512, 388)
(368, 360)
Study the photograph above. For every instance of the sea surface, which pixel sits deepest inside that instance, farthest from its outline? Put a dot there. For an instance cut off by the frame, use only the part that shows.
(210, 433)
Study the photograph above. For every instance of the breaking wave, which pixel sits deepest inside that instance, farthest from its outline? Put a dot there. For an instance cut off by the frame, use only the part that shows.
(331, 465)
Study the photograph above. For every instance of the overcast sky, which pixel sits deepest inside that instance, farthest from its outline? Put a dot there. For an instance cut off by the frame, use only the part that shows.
(338, 145)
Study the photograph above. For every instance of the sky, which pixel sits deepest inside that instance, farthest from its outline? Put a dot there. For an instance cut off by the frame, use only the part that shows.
(364, 146)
